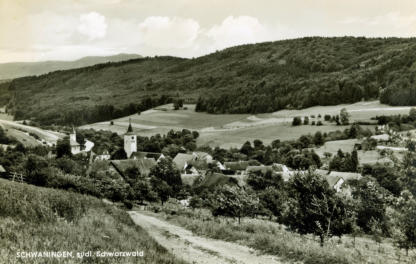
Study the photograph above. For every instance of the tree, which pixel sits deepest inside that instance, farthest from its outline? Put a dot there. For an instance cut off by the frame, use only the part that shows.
(297, 121)
(344, 117)
(63, 147)
(406, 222)
(35, 170)
(247, 149)
(412, 114)
(371, 205)
(306, 120)
(315, 209)
(119, 154)
(234, 201)
(273, 201)
(162, 189)
(166, 171)
(178, 104)
(318, 139)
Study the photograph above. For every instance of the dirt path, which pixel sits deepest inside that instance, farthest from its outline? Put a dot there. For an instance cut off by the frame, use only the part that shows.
(194, 249)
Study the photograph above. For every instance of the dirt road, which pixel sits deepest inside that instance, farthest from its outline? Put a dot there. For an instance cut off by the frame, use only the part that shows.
(194, 249)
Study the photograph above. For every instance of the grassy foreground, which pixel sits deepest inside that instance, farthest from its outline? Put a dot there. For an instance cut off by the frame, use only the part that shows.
(41, 219)
(272, 238)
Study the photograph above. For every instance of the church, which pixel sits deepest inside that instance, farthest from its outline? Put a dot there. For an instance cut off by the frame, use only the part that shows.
(75, 146)
(130, 141)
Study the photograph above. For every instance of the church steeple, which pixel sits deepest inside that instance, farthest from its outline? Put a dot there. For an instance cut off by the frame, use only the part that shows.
(129, 129)
(130, 141)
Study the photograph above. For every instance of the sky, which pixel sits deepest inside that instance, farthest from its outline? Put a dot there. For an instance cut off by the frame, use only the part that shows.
(39, 30)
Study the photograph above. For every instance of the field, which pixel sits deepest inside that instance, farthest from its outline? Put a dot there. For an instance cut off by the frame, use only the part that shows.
(62, 221)
(271, 238)
(233, 130)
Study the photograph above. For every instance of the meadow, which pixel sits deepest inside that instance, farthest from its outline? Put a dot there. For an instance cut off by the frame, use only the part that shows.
(228, 130)
(41, 219)
(272, 238)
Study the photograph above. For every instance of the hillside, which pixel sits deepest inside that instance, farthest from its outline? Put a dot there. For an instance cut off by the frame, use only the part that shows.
(256, 78)
(20, 69)
(37, 219)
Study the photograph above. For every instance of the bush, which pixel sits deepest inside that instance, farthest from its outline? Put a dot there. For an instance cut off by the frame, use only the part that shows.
(128, 204)
(297, 121)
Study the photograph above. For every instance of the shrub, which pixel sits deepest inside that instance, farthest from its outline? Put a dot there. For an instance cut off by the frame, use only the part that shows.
(297, 121)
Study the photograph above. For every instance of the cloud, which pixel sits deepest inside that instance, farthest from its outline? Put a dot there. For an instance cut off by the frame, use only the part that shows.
(393, 19)
(92, 25)
(167, 33)
(238, 30)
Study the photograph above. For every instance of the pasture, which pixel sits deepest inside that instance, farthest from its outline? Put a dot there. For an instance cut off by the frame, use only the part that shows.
(232, 130)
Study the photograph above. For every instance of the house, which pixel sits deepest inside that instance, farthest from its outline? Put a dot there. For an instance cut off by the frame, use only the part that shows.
(203, 156)
(103, 155)
(182, 160)
(383, 161)
(4, 147)
(212, 180)
(381, 138)
(263, 169)
(143, 165)
(2, 171)
(147, 155)
(219, 165)
(336, 179)
(236, 167)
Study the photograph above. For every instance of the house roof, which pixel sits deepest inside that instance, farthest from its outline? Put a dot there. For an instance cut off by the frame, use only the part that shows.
(148, 155)
(332, 180)
(382, 137)
(2, 169)
(182, 158)
(263, 169)
(144, 165)
(236, 165)
(333, 176)
(219, 179)
(202, 155)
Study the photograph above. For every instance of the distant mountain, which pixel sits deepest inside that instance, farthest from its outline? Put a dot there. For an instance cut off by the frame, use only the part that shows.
(20, 69)
(258, 78)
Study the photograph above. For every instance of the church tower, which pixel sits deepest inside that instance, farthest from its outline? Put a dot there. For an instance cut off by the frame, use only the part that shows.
(130, 141)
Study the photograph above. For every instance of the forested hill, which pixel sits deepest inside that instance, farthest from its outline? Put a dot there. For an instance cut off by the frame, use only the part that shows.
(255, 78)
(13, 70)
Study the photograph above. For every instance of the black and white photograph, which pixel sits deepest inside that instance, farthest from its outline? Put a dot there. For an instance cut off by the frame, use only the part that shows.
(208, 131)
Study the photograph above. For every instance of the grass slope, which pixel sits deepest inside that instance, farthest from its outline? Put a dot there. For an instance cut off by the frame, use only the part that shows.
(272, 238)
(41, 219)
(257, 78)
